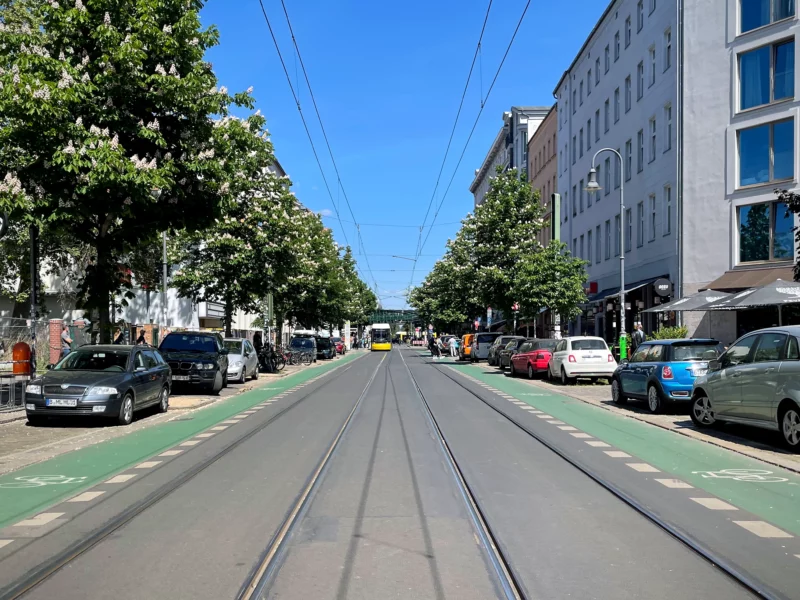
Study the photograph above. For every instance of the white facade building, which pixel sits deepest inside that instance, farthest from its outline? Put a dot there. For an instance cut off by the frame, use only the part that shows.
(509, 149)
(669, 101)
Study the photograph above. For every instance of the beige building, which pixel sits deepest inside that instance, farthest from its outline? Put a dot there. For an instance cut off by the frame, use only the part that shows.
(543, 165)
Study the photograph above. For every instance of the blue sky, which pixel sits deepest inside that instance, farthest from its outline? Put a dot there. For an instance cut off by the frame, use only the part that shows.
(387, 78)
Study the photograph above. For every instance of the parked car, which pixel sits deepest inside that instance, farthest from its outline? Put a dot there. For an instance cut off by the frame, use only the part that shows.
(100, 381)
(511, 348)
(663, 371)
(465, 350)
(755, 382)
(339, 344)
(304, 344)
(481, 344)
(197, 358)
(532, 357)
(325, 348)
(499, 343)
(242, 359)
(581, 357)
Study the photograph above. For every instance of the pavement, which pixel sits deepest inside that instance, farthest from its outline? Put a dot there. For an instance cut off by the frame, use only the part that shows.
(363, 479)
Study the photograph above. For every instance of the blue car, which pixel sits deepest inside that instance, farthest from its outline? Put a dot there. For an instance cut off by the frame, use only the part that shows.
(662, 371)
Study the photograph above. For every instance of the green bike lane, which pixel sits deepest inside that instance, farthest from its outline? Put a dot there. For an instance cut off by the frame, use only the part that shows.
(776, 501)
(68, 474)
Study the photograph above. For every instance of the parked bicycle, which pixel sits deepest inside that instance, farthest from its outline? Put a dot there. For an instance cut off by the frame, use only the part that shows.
(272, 360)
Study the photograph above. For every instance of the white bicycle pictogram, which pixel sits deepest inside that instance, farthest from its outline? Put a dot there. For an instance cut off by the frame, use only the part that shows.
(34, 481)
(748, 475)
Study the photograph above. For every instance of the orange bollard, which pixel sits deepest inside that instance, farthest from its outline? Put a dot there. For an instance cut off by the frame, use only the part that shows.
(21, 356)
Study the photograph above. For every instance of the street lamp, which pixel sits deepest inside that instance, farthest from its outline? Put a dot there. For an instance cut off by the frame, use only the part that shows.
(593, 186)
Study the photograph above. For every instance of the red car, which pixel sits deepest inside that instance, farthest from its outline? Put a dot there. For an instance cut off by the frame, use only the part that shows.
(339, 343)
(532, 358)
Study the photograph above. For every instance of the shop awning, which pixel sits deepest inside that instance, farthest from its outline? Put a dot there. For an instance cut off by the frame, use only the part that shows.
(776, 293)
(689, 302)
(631, 287)
(740, 279)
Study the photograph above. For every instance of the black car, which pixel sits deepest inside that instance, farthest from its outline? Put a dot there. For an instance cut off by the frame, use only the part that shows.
(493, 357)
(197, 358)
(325, 348)
(100, 381)
(504, 355)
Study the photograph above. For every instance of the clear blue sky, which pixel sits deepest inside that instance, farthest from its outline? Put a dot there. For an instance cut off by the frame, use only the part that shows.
(388, 78)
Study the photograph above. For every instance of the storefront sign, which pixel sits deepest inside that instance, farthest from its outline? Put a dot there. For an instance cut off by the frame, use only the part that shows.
(662, 287)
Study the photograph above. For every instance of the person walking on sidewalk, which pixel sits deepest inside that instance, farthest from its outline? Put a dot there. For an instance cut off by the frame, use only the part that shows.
(453, 346)
(638, 338)
(66, 341)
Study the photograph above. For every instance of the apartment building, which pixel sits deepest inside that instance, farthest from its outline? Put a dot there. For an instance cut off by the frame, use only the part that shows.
(705, 130)
(543, 166)
(509, 150)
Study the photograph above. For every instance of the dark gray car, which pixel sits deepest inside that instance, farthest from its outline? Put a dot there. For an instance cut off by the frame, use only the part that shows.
(101, 381)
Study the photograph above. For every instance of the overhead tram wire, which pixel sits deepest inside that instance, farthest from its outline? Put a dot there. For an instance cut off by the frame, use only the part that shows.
(324, 133)
(455, 124)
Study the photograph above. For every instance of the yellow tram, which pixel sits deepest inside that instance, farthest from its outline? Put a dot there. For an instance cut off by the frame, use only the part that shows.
(381, 337)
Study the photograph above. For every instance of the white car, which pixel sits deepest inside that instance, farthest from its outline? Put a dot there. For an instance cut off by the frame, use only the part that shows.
(581, 356)
(242, 359)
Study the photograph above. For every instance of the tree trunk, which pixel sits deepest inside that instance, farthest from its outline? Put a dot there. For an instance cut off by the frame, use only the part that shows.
(228, 317)
(102, 297)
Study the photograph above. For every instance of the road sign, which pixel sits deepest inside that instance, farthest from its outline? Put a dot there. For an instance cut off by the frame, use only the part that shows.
(515, 306)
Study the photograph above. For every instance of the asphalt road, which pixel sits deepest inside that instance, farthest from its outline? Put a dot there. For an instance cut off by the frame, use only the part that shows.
(386, 517)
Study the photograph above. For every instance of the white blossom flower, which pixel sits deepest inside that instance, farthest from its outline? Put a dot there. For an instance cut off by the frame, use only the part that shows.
(11, 184)
(42, 93)
(115, 141)
(250, 90)
(127, 201)
(85, 60)
(105, 132)
(82, 151)
(224, 188)
(167, 29)
(109, 103)
(85, 78)
(194, 42)
(70, 149)
(107, 19)
(182, 181)
(79, 5)
(223, 90)
(15, 79)
(174, 72)
(153, 125)
(213, 90)
(94, 130)
(160, 70)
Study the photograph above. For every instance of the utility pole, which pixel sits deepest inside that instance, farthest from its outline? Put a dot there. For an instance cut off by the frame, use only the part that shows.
(34, 235)
(164, 283)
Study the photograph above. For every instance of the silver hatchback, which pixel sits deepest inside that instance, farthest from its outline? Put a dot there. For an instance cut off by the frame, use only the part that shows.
(755, 382)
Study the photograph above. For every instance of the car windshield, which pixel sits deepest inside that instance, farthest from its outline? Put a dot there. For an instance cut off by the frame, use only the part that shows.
(188, 342)
(589, 345)
(95, 360)
(233, 346)
(302, 343)
(323, 343)
(545, 345)
(486, 338)
(694, 352)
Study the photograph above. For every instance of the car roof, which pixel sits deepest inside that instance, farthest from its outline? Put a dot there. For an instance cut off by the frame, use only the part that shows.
(790, 329)
(110, 347)
(681, 341)
(583, 337)
(233, 340)
(208, 333)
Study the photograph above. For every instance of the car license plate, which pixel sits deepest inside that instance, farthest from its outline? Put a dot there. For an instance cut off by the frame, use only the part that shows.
(699, 372)
(180, 378)
(70, 402)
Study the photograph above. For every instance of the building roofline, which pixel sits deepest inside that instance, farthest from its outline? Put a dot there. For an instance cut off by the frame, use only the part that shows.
(585, 44)
(488, 159)
(553, 109)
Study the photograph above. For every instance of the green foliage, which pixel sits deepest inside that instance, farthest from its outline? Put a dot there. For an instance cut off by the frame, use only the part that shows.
(670, 333)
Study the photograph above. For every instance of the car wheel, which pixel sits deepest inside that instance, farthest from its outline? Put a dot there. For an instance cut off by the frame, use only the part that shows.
(255, 373)
(217, 385)
(511, 370)
(564, 379)
(243, 378)
(616, 392)
(530, 371)
(37, 420)
(126, 410)
(702, 413)
(654, 402)
(224, 380)
(790, 427)
(163, 404)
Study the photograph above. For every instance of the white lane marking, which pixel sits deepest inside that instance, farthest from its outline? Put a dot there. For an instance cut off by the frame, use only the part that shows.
(204, 435)
(248, 412)
(190, 443)
(256, 408)
(544, 416)
(618, 454)
(40, 519)
(86, 497)
(4, 543)
(148, 464)
(763, 529)
(230, 422)
(171, 453)
(643, 467)
(240, 417)
(121, 478)
(598, 444)
(797, 555)
(534, 411)
(674, 483)
(567, 428)
(581, 435)
(219, 428)
(714, 504)
(556, 422)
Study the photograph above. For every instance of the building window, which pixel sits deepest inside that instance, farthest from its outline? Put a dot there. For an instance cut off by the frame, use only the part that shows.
(640, 15)
(575, 201)
(766, 153)
(652, 217)
(597, 71)
(597, 123)
(627, 32)
(652, 6)
(574, 101)
(640, 219)
(589, 83)
(617, 233)
(629, 229)
(667, 49)
(667, 210)
(765, 232)
(607, 58)
(608, 239)
(667, 127)
(566, 207)
(627, 93)
(640, 80)
(589, 246)
(581, 247)
(607, 182)
(616, 106)
(581, 94)
(560, 157)
(574, 246)
(640, 151)
(606, 115)
(628, 160)
(588, 135)
(581, 194)
(757, 13)
(652, 139)
(616, 46)
(580, 143)
(618, 171)
(766, 75)
(574, 149)
(652, 65)
(599, 242)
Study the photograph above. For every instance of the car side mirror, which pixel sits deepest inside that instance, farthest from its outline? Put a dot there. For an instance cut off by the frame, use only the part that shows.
(224, 352)
(139, 369)
(714, 365)
(50, 367)
(624, 361)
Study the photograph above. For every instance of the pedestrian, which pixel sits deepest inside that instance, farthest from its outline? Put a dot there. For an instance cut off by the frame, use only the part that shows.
(258, 344)
(66, 341)
(141, 340)
(454, 346)
(638, 337)
(119, 338)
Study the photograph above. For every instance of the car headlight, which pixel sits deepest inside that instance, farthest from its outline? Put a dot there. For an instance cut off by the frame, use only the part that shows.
(208, 366)
(33, 389)
(103, 391)
(237, 363)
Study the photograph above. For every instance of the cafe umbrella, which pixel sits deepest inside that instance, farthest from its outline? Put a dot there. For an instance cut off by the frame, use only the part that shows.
(777, 293)
(689, 302)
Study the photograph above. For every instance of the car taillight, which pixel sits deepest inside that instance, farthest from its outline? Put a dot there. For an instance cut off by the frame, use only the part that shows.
(610, 358)
(572, 358)
(666, 372)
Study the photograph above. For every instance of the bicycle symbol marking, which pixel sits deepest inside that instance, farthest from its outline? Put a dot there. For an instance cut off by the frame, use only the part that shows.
(34, 481)
(748, 475)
